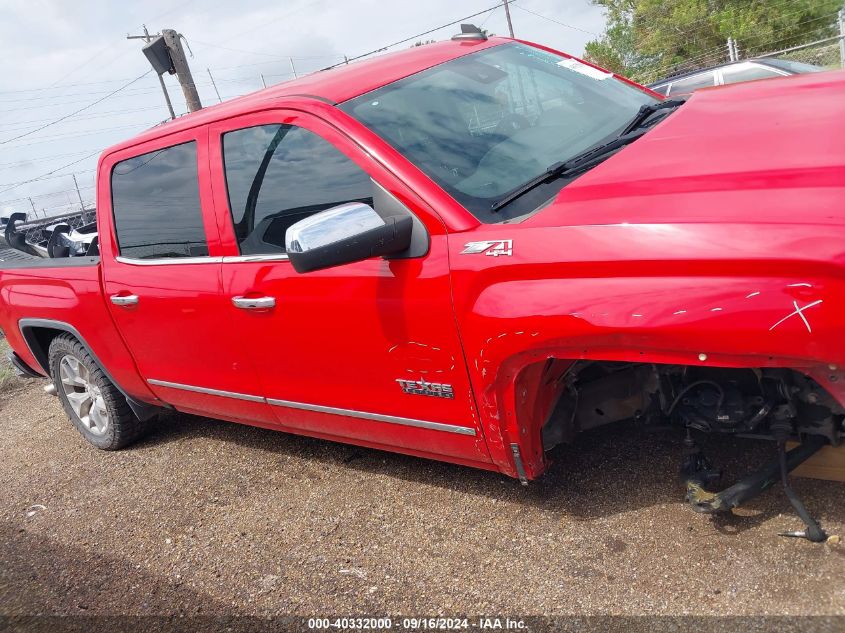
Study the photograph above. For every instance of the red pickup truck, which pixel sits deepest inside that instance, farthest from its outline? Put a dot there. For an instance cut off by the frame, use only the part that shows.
(468, 251)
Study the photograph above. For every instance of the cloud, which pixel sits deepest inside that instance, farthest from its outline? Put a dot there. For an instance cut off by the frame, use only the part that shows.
(57, 56)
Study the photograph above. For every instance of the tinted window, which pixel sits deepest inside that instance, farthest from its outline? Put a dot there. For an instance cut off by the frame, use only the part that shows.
(747, 72)
(793, 66)
(277, 175)
(662, 89)
(682, 86)
(156, 204)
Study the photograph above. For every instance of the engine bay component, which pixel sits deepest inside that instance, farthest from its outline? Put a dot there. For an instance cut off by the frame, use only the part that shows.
(772, 404)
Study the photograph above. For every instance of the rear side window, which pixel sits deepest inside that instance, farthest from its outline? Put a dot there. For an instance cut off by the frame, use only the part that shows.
(747, 72)
(277, 175)
(156, 204)
(692, 83)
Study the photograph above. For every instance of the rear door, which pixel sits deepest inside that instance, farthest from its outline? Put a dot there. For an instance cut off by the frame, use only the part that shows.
(367, 352)
(161, 270)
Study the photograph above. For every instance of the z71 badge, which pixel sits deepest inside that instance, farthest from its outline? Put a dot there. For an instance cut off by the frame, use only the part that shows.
(493, 248)
(423, 388)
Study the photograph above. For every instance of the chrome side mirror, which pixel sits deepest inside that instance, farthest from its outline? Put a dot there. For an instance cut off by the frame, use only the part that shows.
(344, 234)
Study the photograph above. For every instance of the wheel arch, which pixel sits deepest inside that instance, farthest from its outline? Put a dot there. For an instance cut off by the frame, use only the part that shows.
(38, 334)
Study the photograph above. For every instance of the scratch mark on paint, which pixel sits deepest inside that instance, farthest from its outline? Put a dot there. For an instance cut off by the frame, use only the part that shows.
(803, 284)
(753, 294)
(680, 312)
(800, 313)
(636, 315)
(716, 310)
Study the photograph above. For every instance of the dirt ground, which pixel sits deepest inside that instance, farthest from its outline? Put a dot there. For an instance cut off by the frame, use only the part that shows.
(207, 517)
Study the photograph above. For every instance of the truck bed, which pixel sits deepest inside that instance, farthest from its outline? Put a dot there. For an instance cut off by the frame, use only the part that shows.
(40, 298)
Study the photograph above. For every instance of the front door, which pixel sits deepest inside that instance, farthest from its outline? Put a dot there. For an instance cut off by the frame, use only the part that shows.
(367, 352)
(162, 279)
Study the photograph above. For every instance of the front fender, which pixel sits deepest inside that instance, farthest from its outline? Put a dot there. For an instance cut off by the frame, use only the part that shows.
(515, 316)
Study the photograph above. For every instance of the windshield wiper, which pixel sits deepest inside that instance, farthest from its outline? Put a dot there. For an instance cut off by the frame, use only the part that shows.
(647, 110)
(628, 134)
(559, 170)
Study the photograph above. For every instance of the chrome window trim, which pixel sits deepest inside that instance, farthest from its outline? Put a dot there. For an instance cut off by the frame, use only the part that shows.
(378, 417)
(266, 257)
(390, 419)
(162, 261)
(205, 390)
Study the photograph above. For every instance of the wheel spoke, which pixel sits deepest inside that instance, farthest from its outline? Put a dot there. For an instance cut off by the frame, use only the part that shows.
(85, 398)
(80, 401)
(70, 376)
(98, 417)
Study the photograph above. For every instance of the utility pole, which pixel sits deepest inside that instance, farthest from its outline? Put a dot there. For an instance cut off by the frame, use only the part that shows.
(146, 36)
(183, 72)
(842, 36)
(262, 79)
(214, 84)
(34, 212)
(292, 67)
(79, 195)
(508, 16)
(731, 53)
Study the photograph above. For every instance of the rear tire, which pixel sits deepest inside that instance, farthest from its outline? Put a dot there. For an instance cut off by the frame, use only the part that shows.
(96, 407)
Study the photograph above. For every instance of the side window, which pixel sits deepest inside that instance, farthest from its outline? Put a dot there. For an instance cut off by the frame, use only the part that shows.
(156, 204)
(683, 86)
(663, 90)
(277, 175)
(747, 72)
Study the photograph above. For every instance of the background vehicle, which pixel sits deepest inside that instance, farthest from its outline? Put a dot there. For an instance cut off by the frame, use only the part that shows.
(470, 251)
(736, 72)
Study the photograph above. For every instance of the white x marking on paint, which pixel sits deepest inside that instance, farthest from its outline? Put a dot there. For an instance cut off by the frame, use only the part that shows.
(800, 313)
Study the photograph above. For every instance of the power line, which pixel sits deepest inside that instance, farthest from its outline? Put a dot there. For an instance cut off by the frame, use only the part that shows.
(78, 173)
(545, 17)
(260, 53)
(81, 134)
(51, 172)
(67, 116)
(413, 37)
(97, 115)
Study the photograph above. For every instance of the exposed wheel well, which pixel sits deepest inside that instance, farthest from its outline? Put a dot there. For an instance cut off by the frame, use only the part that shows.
(40, 333)
(38, 339)
(557, 398)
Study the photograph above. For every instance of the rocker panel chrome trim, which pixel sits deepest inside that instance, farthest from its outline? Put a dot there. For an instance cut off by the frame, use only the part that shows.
(378, 417)
(390, 419)
(205, 390)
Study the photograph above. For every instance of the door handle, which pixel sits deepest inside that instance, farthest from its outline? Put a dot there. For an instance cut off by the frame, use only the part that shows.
(124, 300)
(254, 303)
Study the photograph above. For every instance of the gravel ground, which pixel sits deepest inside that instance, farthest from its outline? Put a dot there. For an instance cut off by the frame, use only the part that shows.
(206, 517)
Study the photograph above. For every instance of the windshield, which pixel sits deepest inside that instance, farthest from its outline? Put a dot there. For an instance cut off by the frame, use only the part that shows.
(483, 124)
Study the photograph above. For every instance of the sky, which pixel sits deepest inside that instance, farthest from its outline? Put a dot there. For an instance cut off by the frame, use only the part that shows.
(58, 56)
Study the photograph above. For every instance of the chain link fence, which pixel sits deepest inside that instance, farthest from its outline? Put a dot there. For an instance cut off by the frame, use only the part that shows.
(828, 55)
(822, 47)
